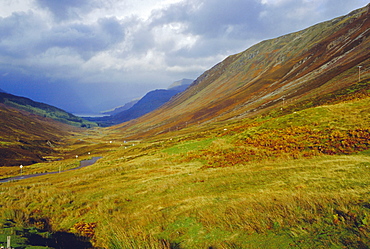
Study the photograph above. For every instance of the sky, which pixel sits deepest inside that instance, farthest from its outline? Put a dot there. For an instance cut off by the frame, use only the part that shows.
(87, 56)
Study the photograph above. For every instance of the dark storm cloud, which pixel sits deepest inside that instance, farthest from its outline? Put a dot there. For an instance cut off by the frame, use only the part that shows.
(85, 39)
(215, 18)
(19, 34)
(234, 18)
(25, 34)
(221, 27)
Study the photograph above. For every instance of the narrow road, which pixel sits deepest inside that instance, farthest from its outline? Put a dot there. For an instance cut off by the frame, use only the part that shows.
(83, 163)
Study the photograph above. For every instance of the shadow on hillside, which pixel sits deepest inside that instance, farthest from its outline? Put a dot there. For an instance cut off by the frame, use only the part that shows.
(59, 240)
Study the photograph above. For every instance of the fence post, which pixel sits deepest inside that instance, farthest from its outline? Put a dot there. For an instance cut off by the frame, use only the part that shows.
(8, 241)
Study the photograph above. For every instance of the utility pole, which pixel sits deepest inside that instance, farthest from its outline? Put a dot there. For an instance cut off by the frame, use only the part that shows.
(359, 73)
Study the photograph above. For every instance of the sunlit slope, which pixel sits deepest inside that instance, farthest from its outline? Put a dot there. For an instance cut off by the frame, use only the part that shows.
(298, 180)
(291, 69)
(43, 110)
(28, 138)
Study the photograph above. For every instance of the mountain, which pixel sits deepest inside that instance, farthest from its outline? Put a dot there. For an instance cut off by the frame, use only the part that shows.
(151, 101)
(180, 85)
(31, 131)
(27, 138)
(288, 73)
(121, 108)
(44, 110)
(2, 91)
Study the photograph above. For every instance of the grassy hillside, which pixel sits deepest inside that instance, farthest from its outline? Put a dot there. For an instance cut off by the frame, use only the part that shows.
(292, 69)
(43, 110)
(27, 138)
(31, 132)
(295, 180)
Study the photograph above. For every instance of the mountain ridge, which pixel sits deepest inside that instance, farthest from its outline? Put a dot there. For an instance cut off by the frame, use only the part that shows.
(31, 132)
(179, 85)
(274, 73)
(151, 101)
(43, 109)
(122, 108)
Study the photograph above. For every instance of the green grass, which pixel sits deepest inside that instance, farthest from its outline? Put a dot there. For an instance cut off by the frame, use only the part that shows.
(185, 147)
(187, 192)
(152, 201)
(48, 111)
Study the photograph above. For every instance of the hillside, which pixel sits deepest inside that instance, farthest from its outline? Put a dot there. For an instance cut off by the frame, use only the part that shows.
(151, 101)
(43, 110)
(121, 108)
(291, 70)
(27, 138)
(180, 85)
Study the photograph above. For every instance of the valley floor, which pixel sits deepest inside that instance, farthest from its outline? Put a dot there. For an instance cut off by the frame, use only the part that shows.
(306, 186)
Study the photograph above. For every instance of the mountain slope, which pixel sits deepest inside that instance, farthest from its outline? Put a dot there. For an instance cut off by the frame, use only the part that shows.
(281, 72)
(121, 108)
(42, 109)
(180, 85)
(151, 101)
(27, 138)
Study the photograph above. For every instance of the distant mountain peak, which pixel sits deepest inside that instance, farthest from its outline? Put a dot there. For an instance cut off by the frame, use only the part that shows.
(182, 82)
(149, 102)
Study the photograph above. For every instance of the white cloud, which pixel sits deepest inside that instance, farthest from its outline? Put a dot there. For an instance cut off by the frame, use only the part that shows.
(10, 6)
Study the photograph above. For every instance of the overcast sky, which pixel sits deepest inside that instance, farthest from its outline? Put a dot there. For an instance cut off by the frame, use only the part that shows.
(92, 55)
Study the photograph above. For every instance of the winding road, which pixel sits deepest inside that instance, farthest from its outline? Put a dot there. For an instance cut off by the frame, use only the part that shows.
(83, 163)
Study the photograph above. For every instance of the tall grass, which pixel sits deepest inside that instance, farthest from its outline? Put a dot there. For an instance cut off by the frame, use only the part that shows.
(149, 196)
(156, 205)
